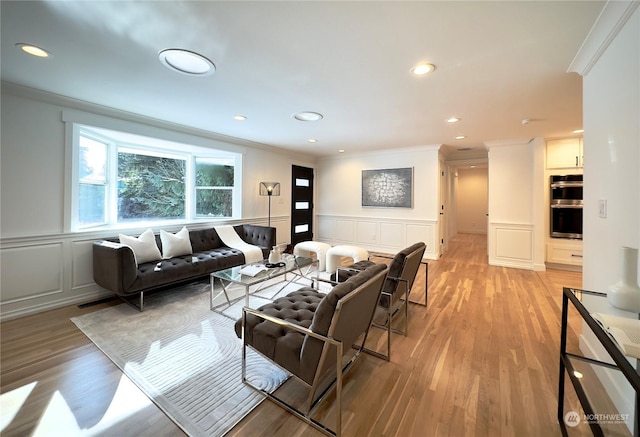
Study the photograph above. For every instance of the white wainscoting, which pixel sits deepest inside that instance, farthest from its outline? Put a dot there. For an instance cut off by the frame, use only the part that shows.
(511, 245)
(378, 235)
(47, 272)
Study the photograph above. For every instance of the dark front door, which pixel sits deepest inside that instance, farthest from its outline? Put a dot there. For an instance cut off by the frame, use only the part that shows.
(301, 204)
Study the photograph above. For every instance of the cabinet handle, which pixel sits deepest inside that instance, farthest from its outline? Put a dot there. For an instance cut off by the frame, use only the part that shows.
(576, 161)
(576, 255)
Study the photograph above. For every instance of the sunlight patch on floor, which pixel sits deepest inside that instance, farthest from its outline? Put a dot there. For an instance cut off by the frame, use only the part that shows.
(58, 416)
(11, 402)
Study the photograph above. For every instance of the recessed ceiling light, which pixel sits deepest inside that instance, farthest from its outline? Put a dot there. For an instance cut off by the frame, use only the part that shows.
(312, 140)
(186, 62)
(453, 120)
(578, 131)
(422, 68)
(239, 117)
(33, 50)
(308, 116)
(460, 137)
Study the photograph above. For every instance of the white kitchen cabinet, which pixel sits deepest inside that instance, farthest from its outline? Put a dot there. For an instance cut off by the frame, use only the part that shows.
(565, 153)
(567, 252)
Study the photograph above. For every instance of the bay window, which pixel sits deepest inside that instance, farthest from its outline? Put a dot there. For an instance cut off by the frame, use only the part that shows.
(122, 179)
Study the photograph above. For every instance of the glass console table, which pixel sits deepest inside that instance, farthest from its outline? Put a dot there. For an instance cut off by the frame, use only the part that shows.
(581, 368)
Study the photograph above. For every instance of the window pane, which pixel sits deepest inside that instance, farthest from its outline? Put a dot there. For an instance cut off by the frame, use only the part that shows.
(93, 160)
(302, 205)
(150, 187)
(211, 173)
(301, 228)
(214, 202)
(91, 205)
(302, 182)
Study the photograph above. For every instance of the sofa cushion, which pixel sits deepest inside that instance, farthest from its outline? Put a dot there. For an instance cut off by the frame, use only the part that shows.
(204, 239)
(280, 344)
(144, 247)
(175, 244)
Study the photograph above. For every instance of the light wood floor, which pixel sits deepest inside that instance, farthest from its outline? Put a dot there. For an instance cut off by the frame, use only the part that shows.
(480, 360)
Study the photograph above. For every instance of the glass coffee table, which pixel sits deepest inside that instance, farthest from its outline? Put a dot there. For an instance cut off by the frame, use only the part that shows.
(234, 275)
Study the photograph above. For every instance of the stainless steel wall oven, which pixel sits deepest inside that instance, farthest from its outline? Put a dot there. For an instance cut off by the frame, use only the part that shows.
(566, 206)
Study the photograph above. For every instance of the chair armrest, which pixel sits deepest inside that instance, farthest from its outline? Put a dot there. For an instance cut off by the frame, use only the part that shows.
(349, 272)
(328, 281)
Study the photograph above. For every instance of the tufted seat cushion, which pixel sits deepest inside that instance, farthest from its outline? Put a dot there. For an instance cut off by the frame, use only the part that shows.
(308, 308)
(280, 344)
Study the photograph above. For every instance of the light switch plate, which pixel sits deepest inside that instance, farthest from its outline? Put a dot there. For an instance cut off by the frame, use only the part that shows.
(602, 208)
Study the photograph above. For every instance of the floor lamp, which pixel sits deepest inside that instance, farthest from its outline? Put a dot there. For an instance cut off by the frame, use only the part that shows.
(269, 189)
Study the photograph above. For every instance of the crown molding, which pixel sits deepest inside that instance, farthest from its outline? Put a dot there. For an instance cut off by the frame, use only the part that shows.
(612, 18)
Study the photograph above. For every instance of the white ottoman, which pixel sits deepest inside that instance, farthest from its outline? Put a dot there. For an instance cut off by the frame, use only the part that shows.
(309, 247)
(335, 254)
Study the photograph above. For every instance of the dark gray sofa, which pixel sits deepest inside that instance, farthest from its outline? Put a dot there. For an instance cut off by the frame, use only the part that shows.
(114, 265)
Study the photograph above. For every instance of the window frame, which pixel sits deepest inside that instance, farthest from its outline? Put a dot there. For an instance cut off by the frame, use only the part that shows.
(170, 148)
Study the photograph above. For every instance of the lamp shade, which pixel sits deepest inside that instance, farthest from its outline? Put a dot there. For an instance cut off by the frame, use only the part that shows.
(269, 188)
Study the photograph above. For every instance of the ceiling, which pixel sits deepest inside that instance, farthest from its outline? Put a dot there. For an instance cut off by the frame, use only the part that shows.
(498, 63)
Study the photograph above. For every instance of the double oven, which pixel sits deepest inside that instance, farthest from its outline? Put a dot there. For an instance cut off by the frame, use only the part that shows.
(566, 206)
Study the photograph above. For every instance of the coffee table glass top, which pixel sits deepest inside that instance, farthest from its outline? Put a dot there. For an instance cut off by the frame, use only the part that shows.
(233, 274)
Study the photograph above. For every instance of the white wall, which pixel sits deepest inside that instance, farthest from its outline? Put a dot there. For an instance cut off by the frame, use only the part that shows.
(612, 157)
(472, 200)
(610, 63)
(43, 265)
(343, 220)
(512, 238)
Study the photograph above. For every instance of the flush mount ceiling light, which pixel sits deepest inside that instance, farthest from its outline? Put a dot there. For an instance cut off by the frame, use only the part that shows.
(312, 140)
(239, 117)
(307, 116)
(33, 50)
(186, 62)
(422, 68)
(460, 137)
(453, 120)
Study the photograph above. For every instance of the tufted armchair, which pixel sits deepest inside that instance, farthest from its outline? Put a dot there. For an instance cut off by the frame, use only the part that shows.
(309, 334)
(403, 269)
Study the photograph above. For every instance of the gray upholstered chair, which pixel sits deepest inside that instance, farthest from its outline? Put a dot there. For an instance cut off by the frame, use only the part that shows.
(310, 335)
(395, 293)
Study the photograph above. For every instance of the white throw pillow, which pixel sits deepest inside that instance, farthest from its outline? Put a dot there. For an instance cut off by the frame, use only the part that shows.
(175, 244)
(144, 247)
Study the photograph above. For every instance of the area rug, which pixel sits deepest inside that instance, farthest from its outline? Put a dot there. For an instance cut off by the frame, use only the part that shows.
(186, 358)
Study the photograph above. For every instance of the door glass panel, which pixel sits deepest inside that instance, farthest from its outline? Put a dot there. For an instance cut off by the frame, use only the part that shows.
(302, 205)
(302, 182)
(301, 228)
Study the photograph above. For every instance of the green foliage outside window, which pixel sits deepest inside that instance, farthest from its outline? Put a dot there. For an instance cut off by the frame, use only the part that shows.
(150, 187)
(214, 188)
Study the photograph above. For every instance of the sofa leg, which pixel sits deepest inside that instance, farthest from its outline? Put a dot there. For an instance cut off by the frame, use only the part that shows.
(130, 301)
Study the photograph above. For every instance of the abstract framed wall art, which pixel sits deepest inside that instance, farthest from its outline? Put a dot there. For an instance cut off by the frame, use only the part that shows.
(388, 188)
